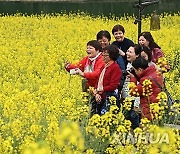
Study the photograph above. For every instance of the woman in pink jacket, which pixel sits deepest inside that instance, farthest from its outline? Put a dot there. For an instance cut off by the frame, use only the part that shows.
(146, 39)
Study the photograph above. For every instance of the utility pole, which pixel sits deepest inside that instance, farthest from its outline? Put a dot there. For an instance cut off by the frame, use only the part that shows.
(141, 5)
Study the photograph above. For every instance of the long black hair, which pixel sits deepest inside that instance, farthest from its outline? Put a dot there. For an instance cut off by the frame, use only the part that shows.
(148, 52)
(149, 38)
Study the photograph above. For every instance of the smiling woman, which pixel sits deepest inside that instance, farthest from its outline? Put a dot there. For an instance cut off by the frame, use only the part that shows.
(104, 38)
(121, 42)
(90, 66)
(108, 82)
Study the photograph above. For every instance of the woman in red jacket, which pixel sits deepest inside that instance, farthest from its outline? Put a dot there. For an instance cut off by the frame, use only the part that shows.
(108, 81)
(90, 66)
(143, 71)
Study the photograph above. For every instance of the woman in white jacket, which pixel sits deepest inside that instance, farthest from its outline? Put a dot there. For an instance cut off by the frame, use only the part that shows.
(132, 53)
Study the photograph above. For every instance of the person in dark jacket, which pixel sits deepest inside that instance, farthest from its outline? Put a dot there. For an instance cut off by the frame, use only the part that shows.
(121, 42)
(143, 71)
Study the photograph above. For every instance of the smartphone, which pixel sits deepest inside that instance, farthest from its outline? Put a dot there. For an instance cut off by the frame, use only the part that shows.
(72, 71)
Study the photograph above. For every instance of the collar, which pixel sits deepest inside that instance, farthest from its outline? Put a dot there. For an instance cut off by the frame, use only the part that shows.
(109, 63)
(94, 58)
(148, 71)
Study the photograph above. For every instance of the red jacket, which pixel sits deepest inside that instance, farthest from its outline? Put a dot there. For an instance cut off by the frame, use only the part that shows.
(144, 104)
(90, 76)
(111, 78)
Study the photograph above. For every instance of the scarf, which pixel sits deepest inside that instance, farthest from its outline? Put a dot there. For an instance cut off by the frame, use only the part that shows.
(101, 77)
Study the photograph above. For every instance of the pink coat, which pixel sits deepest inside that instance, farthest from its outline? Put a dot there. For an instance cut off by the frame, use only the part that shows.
(156, 54)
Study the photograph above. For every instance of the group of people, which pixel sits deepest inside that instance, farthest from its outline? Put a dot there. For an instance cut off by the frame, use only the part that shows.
(110, 67)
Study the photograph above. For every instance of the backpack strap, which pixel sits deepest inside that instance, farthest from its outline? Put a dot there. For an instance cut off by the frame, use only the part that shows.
(170, 101)
(156, 82)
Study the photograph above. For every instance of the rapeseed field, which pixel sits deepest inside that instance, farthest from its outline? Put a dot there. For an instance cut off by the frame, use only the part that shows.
(42, 108)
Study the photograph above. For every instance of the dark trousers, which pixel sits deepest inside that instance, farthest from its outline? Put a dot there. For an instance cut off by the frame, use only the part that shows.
(134, 117)
(104, 106)
(96, 107)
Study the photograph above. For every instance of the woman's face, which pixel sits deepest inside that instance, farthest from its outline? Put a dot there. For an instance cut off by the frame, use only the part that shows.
(131, 55)
(104, 42)
(143, 41)
(91, 51)
(119, 36)
(106, 57)
(144, 55)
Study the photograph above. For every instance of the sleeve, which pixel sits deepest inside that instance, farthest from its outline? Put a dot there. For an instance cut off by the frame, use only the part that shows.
(71, 66)
(114, 43)
(116, 74)
(159, 53)
(131, 43)
(79, 65)
(133, 79)
(120, 62)
(138, 86)
(97, 70)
